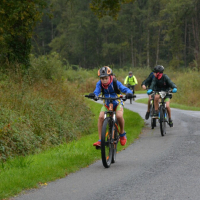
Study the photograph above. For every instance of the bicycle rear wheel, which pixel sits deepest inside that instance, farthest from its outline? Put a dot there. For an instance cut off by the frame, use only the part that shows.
(162, 121)
(153, 120)
(153, 123)
(166, 118)
(115, 142)
(106, 146)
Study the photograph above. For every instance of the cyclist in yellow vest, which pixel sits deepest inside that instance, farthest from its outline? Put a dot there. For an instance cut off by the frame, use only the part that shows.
(130, 81)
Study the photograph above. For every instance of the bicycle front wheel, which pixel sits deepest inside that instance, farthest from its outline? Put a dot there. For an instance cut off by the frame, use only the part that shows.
(151, 115)
(106, 146)
(162, 121)
(115, 142)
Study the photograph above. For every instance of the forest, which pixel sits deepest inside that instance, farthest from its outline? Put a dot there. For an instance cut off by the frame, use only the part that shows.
(145, 33)
(51, 50)
(140, 33)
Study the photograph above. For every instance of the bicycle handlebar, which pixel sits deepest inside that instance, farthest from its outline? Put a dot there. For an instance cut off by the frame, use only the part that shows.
(168, 92)
(107, 98)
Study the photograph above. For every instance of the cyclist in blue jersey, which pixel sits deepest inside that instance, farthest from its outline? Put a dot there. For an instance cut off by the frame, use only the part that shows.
(106, 86)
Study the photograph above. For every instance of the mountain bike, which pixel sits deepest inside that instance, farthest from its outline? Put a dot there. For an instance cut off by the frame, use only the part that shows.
(110, 132)
(131, 87)
(163, 115)
(152, 109)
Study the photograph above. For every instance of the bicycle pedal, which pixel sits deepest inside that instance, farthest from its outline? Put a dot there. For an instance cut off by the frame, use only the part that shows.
(98, 147)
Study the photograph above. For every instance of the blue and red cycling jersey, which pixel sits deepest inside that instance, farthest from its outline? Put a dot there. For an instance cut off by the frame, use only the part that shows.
(110, 92)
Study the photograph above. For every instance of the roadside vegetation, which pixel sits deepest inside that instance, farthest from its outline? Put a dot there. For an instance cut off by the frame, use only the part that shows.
(186, 79)
(33, 171)
(47, 127)
(39, 109)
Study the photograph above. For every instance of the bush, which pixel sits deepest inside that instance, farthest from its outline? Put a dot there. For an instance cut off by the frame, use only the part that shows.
(46, 112)
(48, 67)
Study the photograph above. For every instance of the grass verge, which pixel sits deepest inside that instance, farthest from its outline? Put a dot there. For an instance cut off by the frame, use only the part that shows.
(172, 105)
(34, 171)
(141, 92)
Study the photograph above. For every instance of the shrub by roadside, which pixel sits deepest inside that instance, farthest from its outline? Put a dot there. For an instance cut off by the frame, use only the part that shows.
(33, 171)
(38, 113)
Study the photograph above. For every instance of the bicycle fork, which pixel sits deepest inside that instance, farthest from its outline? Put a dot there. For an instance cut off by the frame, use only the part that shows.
(115, 128)
(163, 107)
(113, 125)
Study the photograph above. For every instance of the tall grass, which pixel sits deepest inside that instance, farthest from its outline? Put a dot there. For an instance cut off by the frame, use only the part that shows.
(36, 113)
(36, 170)
(185, 79)
(44, 106)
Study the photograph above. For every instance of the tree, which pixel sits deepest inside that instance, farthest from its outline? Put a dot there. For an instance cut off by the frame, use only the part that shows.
(138, 33)
(182, 14)
(107, 7)
(17, 21)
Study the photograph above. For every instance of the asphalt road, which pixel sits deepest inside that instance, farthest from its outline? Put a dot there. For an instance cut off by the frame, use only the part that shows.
(152, 168)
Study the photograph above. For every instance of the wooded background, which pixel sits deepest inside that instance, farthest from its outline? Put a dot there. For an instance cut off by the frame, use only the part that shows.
(85, 33)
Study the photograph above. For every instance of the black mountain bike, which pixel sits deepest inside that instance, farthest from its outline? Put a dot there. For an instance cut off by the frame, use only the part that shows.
(152, 109)
(163, 116)
(110, 133)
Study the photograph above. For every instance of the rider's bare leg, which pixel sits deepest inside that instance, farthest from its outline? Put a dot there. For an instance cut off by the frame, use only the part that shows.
(148, 108)
(120, 119)
(100, 123)
(156, 101)
(168, 109)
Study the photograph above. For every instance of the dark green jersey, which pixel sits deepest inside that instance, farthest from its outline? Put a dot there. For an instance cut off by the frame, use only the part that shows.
(163, 84)
(148, 80)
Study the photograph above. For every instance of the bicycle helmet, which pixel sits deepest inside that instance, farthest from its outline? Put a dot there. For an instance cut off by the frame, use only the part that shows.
(158, 68)
(130, 72)
(105, 71)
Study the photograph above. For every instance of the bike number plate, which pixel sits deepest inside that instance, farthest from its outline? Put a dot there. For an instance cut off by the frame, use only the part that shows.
(110, 107)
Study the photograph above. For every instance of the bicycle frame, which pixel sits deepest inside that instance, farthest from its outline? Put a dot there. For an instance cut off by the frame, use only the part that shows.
(163, 112)
(111, 114)
(162, 103)
(110, 132)
(152, 103)
(153, 119)
(109, 136)
(132, 88)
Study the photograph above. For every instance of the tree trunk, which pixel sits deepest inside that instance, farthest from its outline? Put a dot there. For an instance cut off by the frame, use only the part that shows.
(51, 30)
(195, 29)
(120, 59)
(132, 52)
(185, 60)
(43, 46)
(158, 47)
(135, 58)
(148, 48)
(195, 35)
